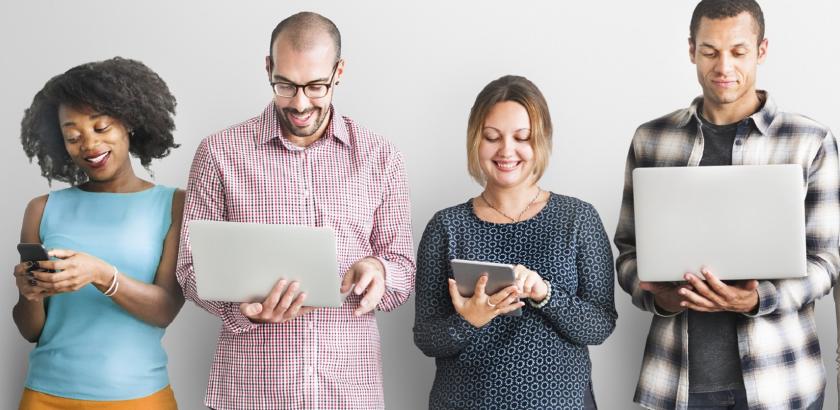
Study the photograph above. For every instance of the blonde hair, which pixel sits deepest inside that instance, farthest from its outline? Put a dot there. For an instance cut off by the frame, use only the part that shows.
(519, 90)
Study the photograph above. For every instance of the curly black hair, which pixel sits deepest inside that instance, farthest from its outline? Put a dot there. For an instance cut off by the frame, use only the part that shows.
(122, 88)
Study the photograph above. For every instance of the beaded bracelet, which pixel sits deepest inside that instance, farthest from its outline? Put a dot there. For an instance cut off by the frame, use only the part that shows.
(115, 284)
(545, 300)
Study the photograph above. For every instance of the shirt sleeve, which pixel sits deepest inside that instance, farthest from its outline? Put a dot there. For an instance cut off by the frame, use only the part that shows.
(391, 240)
(586, 315)
(822, 223)
(205, 201)
(439, 331)
(625, 241)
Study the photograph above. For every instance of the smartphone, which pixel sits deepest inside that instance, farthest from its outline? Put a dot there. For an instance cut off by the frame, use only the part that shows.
(32, 252)
(499, 276)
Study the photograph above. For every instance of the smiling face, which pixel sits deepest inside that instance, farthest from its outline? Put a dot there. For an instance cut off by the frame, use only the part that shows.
(505, 153)
(727, 53)
(301, 116)
(97, 143)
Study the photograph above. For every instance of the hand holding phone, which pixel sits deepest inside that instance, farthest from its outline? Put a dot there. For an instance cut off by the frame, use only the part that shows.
(30, 254)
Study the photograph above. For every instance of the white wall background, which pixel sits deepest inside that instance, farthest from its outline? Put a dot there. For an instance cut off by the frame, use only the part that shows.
(413, 71)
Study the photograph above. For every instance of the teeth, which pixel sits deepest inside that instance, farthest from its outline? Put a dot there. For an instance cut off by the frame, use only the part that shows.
(97, 159)
(507, 165)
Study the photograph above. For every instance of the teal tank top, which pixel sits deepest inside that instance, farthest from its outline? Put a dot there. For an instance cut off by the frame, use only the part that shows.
(90, 347)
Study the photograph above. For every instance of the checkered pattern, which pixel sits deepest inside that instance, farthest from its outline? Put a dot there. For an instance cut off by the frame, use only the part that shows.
(351, 180)
(779, 349)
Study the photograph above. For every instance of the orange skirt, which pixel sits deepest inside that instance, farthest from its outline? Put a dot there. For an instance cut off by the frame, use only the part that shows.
(33, 400)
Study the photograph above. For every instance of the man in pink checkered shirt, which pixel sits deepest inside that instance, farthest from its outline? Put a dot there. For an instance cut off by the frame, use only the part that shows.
(301, 162)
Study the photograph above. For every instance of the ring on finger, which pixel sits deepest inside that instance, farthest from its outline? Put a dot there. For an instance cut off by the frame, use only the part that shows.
(490, 304)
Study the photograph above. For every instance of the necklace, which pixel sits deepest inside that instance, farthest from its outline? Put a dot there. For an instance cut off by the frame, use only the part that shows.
(518, 217)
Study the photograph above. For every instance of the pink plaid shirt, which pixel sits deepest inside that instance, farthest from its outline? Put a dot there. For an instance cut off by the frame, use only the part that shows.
(351, 180)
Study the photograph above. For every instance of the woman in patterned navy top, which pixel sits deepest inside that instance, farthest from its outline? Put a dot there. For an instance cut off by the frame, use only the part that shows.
(564, 271)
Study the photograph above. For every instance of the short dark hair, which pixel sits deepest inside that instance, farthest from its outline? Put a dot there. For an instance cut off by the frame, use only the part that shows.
(720, 9)
(300, 28)
(125, 89)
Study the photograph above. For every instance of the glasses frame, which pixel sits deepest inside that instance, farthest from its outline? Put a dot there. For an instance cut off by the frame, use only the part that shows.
(328, 85)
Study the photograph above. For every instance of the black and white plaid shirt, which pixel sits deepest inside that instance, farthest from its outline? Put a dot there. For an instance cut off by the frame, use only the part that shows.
(778, 345)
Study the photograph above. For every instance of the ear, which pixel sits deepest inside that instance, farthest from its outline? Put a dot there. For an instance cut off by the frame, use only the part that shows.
(339, 71)
(268, 67)
(692, 48)
(762, 50)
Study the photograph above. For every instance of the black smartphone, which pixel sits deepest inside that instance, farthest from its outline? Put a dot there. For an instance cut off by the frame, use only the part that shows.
(32, 252)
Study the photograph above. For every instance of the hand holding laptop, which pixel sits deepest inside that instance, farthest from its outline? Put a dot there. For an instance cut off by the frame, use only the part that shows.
(709, 295)
(282, 304)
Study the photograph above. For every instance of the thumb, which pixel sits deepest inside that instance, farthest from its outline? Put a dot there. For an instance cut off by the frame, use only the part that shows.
(751, 285)
(457, 299)
(347, 280)
(250, 309)
(61, 253)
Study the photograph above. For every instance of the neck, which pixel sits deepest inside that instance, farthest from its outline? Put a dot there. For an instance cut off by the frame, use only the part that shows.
(723, 114)
(511, 198)
(123, 182)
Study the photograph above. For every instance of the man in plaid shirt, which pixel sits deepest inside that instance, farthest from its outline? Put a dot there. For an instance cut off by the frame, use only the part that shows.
(301, 162)
(747, 344)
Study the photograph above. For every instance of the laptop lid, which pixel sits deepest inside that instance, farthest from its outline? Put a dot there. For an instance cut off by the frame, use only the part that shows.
(743, 222)
(241, 262)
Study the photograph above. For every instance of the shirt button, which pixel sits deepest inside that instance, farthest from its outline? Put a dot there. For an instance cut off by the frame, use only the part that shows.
(310, 326)
(737, 142)
(309, 370)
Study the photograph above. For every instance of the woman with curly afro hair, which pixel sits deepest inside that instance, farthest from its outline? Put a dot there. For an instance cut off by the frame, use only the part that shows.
(96, 306)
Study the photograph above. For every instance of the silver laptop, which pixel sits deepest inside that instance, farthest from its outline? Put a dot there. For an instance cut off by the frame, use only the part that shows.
(241, 262)
(743, 222)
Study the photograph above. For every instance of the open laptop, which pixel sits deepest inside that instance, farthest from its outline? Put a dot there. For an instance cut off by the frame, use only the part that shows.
(742, 222)
(241, 262)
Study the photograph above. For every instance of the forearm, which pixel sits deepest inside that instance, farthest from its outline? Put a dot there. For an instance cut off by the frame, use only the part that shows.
(148, 302)
(29, 318)
(399, 282)
(579, 321)
(787, 296)
(443, 336)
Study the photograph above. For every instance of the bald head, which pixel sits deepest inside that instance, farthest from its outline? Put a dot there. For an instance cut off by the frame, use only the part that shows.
(306, 30)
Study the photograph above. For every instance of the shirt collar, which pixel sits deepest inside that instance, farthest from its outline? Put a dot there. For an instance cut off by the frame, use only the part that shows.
(761, 118)
(270, 127)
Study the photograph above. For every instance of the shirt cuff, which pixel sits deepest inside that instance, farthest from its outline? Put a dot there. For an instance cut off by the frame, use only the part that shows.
(650, 301)
(234, 320)
(768, 299)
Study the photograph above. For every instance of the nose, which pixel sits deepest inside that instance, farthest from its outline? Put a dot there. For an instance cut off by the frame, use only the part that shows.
(724, 64)
(507, 146)
(300, 101)
(89, 141)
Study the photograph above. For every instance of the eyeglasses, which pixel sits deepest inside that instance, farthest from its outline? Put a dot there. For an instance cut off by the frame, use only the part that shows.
(311, 90)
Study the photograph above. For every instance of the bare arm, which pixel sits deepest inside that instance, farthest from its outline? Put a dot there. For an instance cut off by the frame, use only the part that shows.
(29, 313)
(155, 303)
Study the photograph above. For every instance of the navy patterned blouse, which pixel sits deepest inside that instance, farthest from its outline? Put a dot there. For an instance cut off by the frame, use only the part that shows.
(539, 360)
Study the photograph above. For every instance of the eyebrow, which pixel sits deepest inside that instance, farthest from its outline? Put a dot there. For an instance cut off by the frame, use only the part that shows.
(707, 45)
(496, 129)
(92, 116)
(280, 78)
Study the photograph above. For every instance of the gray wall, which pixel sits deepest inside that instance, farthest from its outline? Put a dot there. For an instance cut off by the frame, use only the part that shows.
(413, 70)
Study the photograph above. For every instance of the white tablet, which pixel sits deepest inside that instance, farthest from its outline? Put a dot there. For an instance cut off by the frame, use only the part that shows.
(467, 273)
(241, 262)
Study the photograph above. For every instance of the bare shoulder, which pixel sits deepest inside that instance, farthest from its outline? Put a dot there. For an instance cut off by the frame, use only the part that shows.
(30, 229)
(178, 198)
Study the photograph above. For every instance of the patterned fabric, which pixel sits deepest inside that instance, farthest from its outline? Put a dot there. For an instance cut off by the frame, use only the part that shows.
(351, 180)
(778, 345)
(539, 360)
(90, 347)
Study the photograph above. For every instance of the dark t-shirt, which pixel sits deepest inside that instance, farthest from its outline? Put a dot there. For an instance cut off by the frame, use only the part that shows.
(714, 362)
